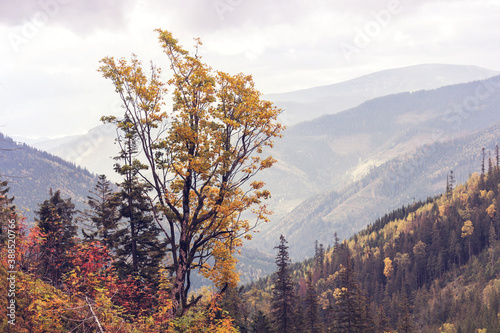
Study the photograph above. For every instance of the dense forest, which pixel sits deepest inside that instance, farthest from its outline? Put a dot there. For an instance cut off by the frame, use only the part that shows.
(431, 266)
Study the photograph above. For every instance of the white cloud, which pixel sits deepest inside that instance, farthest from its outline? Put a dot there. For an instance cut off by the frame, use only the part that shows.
(54, 89)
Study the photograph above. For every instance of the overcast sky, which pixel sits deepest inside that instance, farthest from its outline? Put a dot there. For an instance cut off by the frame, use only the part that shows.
(50, 49)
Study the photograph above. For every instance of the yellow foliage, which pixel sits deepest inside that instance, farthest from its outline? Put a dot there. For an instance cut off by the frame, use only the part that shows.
(467, 229)
(447, 328)
(491, 211)
(388, 269)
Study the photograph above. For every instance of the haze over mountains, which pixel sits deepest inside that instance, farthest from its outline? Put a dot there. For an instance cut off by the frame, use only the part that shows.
(332, 171)
(311, 103)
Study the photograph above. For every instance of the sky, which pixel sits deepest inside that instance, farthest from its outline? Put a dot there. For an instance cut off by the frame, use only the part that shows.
(50, 49)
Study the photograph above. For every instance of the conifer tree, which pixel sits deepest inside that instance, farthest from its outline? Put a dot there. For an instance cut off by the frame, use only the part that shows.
(497, 155)
(283, 291)
(405, 323)
(490, 165)
(260, 323)
(349, 308)
(311, 306)
(139, 250)
(451, 182)
(58, 230)
(483, 161)
(7, 208)
(103, 214)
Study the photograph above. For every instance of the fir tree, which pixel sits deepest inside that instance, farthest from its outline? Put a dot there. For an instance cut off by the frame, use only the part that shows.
(103, 214)
(497, 155)
(350, 307)
(405, 324)
(138, 248)
(58, 231)
(483, 161)
(311, 306)
(7, 209)
(283, 291)
(260, 323)
(450, 182)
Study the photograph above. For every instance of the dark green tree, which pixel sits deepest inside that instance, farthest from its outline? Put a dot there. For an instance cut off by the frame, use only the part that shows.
(103, 213)
(260, 323)
(58, 230)
(497, 156)
(7, 209)
(283, 298)
(350, 305)
(234, 305)
(311, 306)
(405, 323)
(138, 248)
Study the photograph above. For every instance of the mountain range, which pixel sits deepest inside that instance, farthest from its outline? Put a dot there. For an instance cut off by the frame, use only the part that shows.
(32, 173)
(307, 104)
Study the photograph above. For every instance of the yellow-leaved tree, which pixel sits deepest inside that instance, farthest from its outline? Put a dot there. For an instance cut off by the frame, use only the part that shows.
(198, 159)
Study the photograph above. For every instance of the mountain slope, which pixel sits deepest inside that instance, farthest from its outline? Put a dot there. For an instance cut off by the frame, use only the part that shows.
(311, 103)
(432, 265)
(332, 151)
(31, 174)
(400, 181)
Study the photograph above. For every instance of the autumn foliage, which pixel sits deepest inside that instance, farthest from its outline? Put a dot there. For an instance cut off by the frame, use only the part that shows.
(198, 159)
(189, 175)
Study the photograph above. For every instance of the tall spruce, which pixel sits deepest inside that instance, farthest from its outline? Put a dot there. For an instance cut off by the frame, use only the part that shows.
(350, 306)
(311, 306)
(483, 160)
(260, 323)
(58, 231)
(497, 155)
(405, 322)
(283, 298)
(138, 248)
(103, 214)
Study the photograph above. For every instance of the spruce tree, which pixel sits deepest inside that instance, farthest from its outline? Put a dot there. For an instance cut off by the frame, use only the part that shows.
(349, 309)
(483, 161)
(56, 225)
(7, 209)
(497, 155)
(138, 248)
(260, 323)
(405, 323)
(103, 213)
(311, 306)
(283, 298)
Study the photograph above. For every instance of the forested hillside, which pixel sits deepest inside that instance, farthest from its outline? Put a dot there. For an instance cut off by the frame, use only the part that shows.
(399, 181)
(32, 173)
(430, 266)
(330, 152)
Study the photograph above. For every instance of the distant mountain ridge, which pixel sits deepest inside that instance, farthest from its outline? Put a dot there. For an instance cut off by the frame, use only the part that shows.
(320, 161)
(96, 149)
(31, 174)
(333, 150)
(397, 182)
(307, 104)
